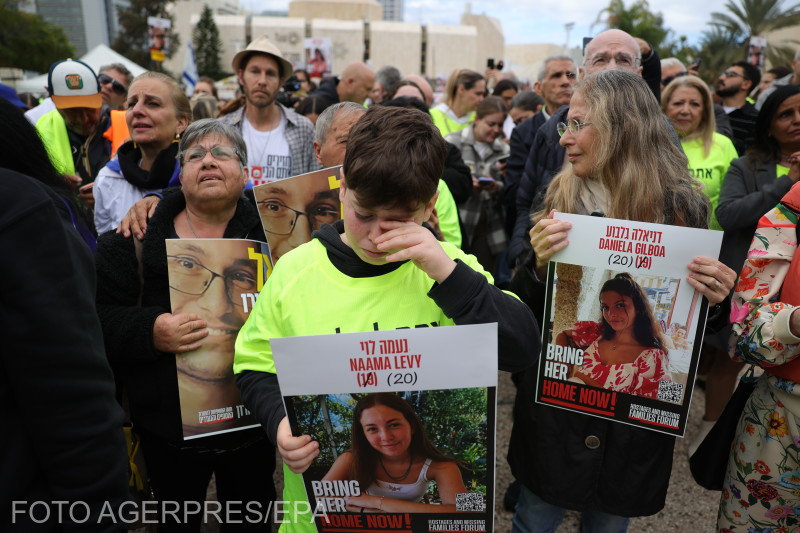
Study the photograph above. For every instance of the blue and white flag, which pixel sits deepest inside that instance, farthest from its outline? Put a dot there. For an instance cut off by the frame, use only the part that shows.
(190, 75)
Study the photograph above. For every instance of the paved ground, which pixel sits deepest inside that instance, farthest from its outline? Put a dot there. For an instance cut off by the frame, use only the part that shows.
(689, 508)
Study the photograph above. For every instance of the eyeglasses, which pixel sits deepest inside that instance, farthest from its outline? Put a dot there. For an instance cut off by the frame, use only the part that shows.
(622, 60)
(116, 86)
(188, 276)
(218, 152)
(731, 74)
(282, 219)
(573, 126)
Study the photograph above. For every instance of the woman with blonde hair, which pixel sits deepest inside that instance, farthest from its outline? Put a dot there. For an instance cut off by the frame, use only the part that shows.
(687, 103)
(157, 112)
(622, 162)
(464, 91)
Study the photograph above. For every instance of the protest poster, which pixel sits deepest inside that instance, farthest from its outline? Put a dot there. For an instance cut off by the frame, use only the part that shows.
(157, 38)
(400, 388)
(623, 325)
(319, 56)
(292, 209)
(209, 398)
(757, 51)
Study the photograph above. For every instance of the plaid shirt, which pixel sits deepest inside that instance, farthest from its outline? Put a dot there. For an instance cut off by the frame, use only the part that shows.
(299, 136)
(482, 207)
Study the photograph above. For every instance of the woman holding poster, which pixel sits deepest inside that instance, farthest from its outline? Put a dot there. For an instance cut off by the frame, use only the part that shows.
(624, 163)
(158, 355)
(393, 460)
(625, 351)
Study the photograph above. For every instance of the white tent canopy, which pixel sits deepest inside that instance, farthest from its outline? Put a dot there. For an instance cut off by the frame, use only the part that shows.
(99, 56)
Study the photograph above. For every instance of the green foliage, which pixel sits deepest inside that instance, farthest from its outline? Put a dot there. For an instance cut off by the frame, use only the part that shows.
(718, 49)
(207, 46)
(639, 21)
(756, 17)
(747, 18)
(454, 420)
(133, 41)
(29, 42)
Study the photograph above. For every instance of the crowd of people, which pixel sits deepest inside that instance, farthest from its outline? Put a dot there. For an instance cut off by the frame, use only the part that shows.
(448, 204)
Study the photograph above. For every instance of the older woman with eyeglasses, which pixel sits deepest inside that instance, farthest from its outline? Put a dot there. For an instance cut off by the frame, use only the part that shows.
(614, 136)
(152, 349)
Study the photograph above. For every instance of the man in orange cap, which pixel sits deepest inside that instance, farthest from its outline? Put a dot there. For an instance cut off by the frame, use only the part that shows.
(73, 132)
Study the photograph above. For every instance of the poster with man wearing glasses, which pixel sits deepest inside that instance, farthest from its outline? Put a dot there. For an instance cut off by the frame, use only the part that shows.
(157, 33)
(292, 209)
(218, 280)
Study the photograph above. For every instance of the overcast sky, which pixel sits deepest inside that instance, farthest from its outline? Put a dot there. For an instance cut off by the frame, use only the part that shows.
(531, 21)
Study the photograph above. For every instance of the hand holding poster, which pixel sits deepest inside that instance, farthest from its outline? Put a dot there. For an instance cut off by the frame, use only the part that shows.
(293, 208)
(624, 326)
(405, 420)
(210, 402)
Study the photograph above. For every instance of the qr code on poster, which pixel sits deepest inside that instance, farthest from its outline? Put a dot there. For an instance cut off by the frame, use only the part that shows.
(669, 391)
(470, 501)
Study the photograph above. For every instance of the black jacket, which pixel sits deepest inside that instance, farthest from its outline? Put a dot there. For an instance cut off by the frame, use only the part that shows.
(750, 189)
(62, 430)
(149, 375)
(327, 91)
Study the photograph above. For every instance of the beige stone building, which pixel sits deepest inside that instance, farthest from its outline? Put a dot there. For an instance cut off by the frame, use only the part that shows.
(357, 33)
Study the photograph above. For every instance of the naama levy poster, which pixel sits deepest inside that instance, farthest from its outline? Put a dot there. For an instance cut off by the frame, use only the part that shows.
(624, 326)
(405, 420)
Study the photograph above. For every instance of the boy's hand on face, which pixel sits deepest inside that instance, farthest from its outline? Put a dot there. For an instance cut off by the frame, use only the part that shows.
(410, 241)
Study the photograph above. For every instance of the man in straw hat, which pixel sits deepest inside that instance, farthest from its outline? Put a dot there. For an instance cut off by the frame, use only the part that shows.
(280, 143)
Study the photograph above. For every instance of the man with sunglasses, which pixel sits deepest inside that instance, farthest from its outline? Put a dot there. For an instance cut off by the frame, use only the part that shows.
(733, 86)
(114, 81)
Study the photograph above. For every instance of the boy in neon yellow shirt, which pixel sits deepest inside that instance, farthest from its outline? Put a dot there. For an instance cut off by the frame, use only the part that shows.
(377, 269)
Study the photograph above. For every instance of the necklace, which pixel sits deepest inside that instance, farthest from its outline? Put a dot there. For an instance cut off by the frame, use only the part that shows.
(400, 478)
(252, 141)
(189, 220)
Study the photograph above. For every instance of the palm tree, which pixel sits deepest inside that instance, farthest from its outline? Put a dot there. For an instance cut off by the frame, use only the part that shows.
(749, 18)
(718, 49)
(636, 20)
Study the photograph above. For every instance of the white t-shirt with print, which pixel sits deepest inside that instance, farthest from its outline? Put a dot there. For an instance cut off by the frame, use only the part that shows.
(268, 155)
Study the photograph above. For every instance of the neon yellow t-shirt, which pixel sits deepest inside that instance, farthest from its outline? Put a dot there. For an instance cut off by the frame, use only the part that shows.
(710, 170)
(446, 123)
(447, 211)
(307, 295)
(781, 171)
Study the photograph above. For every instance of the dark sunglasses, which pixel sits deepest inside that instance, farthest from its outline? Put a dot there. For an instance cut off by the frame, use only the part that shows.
(116, 86)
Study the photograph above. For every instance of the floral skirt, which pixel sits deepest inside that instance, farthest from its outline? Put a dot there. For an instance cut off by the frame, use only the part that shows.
(761, 492)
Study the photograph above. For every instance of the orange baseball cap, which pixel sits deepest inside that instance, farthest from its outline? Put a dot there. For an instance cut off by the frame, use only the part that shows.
(73, 83)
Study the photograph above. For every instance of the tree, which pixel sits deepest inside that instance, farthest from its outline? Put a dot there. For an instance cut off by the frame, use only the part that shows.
(640, 22)
(133, 40)
(207, 46)
(33, 44)
(718, 49)
(637, 20)
(749, 18)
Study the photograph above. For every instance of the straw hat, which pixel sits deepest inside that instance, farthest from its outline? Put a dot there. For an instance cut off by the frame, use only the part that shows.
(262, 45)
